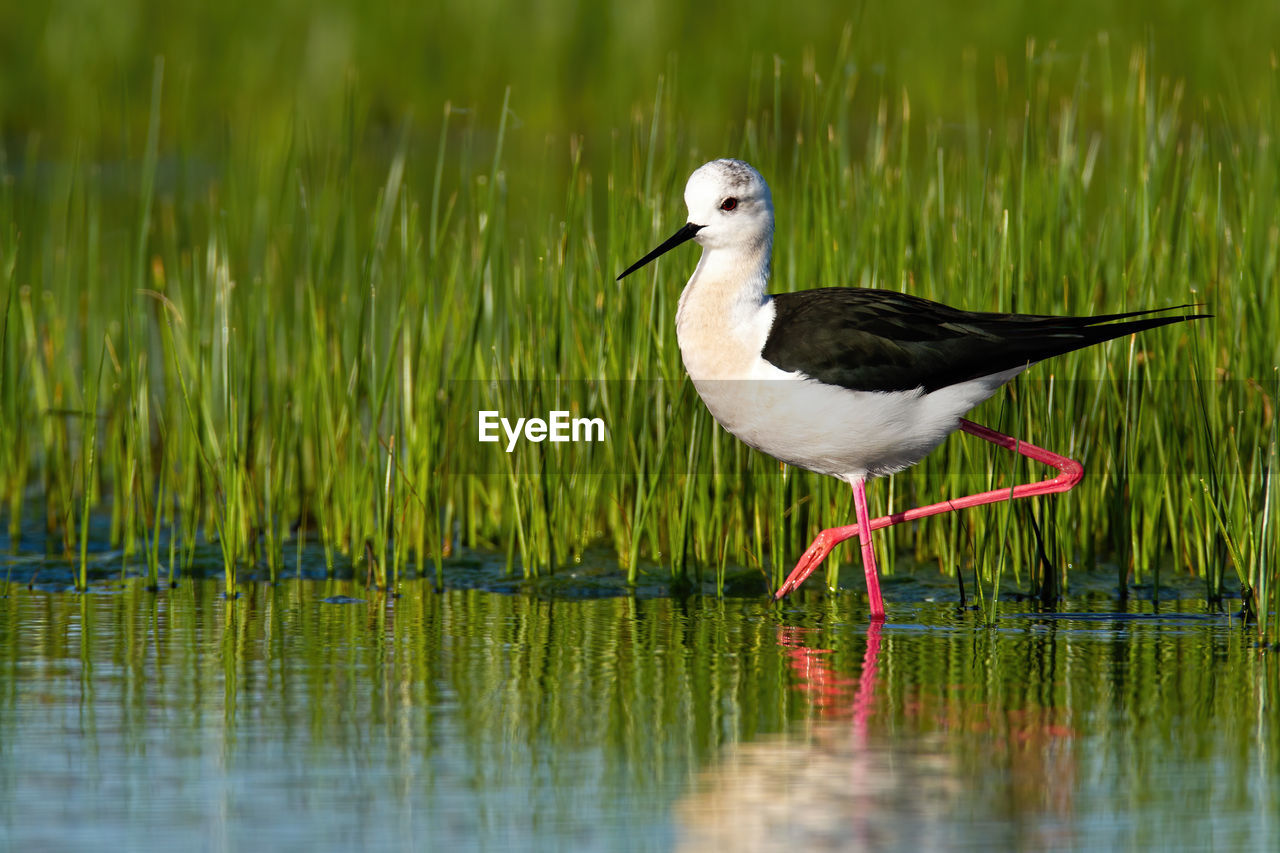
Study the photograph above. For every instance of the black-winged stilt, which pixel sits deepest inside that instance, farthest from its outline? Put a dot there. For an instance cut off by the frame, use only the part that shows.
(850, 382)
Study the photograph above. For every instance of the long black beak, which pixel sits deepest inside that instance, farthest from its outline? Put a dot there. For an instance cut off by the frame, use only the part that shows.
(684, 234)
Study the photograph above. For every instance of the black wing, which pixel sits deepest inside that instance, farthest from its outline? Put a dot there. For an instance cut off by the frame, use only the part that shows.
(880, 340)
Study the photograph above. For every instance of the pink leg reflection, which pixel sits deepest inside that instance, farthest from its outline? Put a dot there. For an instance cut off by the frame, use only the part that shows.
(832, 694)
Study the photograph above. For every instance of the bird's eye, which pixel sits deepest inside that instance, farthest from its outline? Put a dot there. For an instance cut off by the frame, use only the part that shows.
(729, 203)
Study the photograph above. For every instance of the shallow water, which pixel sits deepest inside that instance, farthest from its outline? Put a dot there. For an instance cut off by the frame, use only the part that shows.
(318, 715)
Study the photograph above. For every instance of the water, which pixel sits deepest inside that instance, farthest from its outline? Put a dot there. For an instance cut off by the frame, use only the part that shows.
(318, 715)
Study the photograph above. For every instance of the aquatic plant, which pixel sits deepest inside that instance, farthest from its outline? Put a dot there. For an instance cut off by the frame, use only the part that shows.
(285, 330)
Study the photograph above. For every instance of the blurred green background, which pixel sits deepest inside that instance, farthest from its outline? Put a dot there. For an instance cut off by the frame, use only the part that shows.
(77, 73)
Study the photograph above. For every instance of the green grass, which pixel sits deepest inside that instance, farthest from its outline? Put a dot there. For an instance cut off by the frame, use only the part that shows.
(256, 326)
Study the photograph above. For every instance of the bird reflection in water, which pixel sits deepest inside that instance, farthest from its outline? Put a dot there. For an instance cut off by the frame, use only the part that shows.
(868, 771)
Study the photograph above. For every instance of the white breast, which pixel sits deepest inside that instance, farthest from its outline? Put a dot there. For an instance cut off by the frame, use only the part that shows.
(835, 431)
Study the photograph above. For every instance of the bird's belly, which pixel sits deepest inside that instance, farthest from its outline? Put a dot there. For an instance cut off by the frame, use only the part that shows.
(837, 431)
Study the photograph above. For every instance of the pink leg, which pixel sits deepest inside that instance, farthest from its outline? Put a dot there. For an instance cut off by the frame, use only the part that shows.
(1070, 473)
(868, 550)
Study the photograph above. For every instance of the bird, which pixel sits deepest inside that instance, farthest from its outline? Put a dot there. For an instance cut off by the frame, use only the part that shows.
(851, 382)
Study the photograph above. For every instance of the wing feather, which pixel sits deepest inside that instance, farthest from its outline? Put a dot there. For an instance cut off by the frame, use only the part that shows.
(881, 340)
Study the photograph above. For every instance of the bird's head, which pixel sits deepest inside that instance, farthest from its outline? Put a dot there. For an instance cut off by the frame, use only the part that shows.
(730, 207)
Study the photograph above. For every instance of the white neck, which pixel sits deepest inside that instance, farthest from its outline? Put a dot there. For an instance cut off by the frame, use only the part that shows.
(721, 323)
